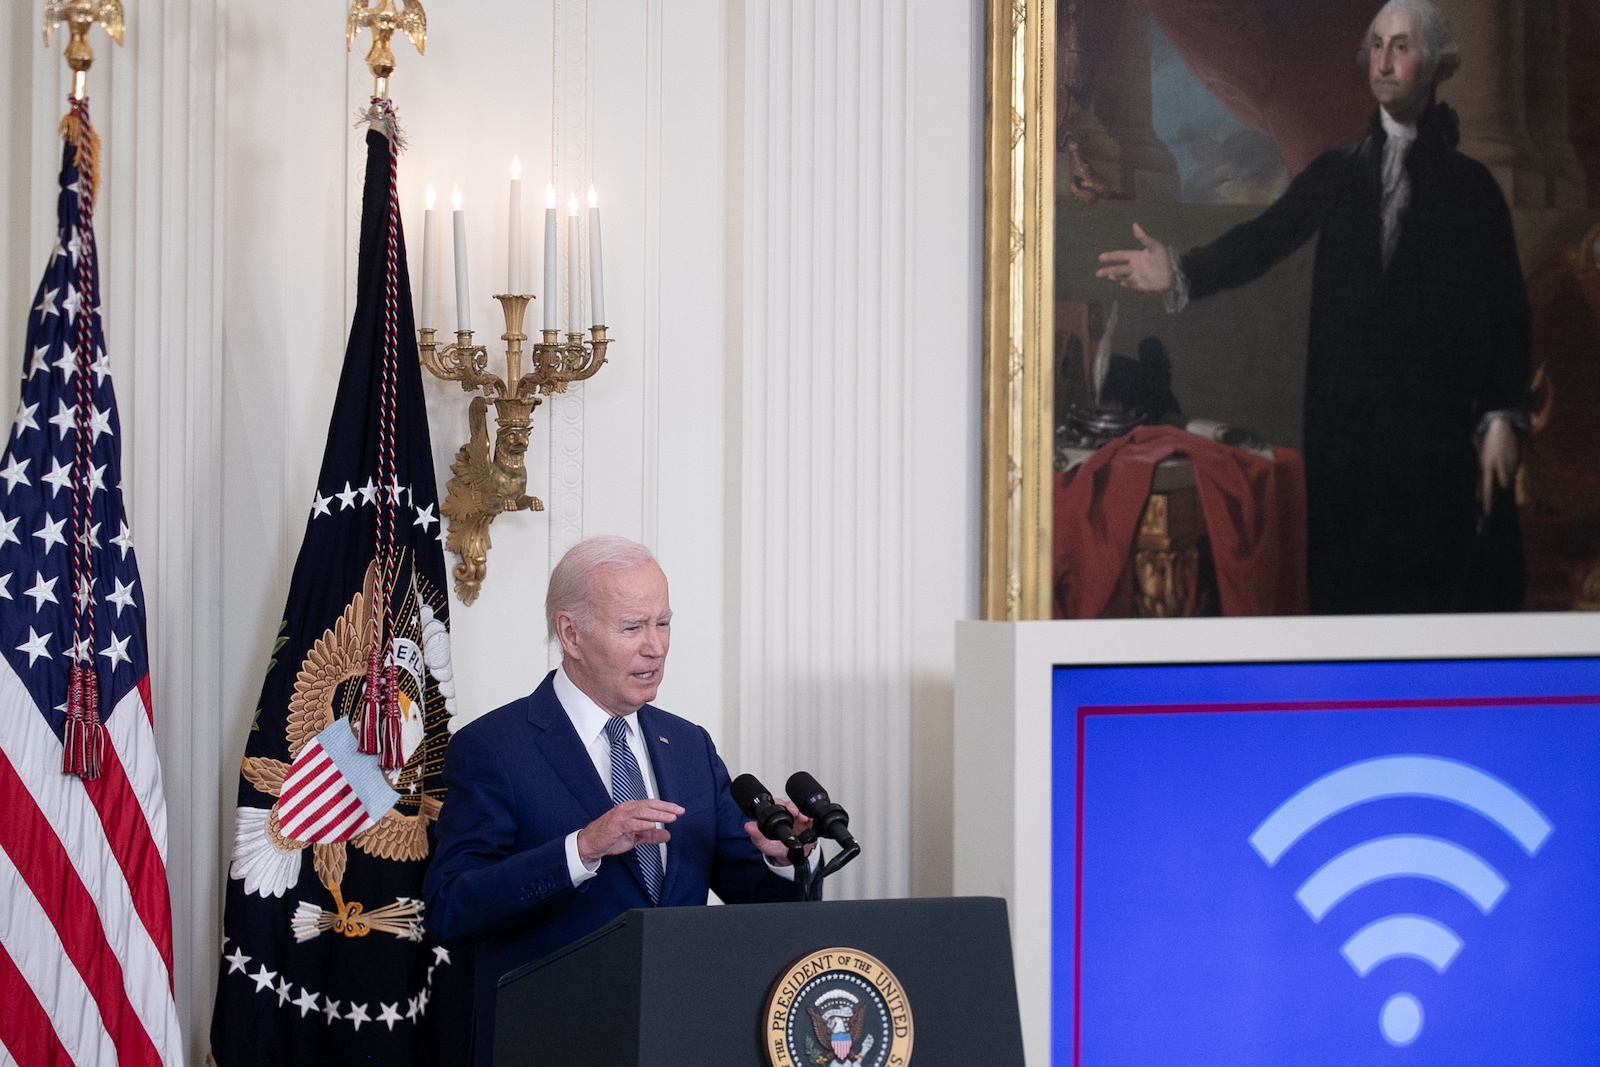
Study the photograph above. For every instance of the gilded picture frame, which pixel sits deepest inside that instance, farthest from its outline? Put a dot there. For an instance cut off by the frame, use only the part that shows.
(1026, 244)
(1019, 185)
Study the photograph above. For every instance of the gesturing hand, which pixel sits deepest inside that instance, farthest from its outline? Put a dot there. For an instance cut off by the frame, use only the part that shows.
(775, 850)
(1146, 269)
(631, 823)
(1497, 461)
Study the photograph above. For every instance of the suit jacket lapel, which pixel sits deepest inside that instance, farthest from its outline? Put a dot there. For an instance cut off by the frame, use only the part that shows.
(668, 786)
(562, 749)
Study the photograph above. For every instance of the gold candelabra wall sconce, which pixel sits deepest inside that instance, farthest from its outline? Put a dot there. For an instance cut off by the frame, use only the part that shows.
(489, 481)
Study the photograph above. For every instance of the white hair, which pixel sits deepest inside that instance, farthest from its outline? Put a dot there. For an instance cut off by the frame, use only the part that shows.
(1437, 43)
(569, 581)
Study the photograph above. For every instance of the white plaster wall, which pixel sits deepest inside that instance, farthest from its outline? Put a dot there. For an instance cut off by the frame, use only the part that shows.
(790, 419)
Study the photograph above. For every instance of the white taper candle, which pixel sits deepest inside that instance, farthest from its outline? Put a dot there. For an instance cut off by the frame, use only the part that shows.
(459, 219)
(424, 310)
(574, 267)
(514, 238)
(597, 297)
(550, 320)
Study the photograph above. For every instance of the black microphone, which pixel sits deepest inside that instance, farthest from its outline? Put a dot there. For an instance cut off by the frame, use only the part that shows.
(772, 818)
(829, 818)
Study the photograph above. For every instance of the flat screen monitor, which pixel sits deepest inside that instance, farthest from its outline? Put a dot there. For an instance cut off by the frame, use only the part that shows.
(1294, 863)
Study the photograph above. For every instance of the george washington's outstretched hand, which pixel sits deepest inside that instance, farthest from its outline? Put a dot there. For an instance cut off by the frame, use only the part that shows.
(1498, 457)
(1146, 269)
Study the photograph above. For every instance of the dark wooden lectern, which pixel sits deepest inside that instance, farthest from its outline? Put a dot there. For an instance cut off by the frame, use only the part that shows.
(671, 987)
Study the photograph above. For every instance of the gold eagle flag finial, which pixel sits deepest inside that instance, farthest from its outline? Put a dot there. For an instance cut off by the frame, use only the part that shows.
(383, 20)
(79, 15)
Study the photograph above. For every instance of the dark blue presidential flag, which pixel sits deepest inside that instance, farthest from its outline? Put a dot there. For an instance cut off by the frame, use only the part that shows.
(327, 957)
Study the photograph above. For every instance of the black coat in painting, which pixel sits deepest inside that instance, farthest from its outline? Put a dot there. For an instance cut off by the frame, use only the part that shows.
(1402, 365)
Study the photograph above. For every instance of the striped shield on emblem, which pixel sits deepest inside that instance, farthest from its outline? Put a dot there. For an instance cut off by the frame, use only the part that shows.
(333, 791)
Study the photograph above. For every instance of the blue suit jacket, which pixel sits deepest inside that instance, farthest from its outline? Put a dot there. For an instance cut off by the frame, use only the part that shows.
(519, 781)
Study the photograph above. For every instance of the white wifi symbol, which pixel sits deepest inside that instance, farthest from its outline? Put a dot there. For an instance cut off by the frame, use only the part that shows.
(1401, 856)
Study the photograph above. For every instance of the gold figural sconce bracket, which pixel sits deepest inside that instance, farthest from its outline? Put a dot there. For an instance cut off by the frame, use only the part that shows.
(383, 20)
(487, 482)
(79, 15)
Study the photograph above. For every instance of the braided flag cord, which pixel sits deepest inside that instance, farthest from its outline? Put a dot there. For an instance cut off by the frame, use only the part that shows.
(327, 958)
(380, 725)
(85, 914)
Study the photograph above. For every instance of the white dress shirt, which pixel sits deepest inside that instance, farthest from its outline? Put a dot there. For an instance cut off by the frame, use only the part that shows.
(1400, 136)
(589, 720)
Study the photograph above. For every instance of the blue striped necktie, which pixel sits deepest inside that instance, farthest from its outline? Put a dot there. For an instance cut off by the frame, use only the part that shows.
(627, 783)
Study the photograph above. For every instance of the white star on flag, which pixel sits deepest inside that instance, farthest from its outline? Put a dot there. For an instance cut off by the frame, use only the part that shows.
(60, 476)
(306, 1001)
(68, 363)
(425, 518)
(263, 978)
(236, 961)
(50, 533)
(47, 302)
(34, 645)
(330, 1008)
(389, 1015)
(42, 591)
(117, 651)
(65, 418)
(7, 530)
(101, 367)
(319, 503)
(283, 991)
(41, 360)
(121, 596)
(124, 540)
(24, 419)
(70, 305)
(369, 492)
(358, 1015)
(99, 421)
(14, 472)
(5, 583)
(347, 499)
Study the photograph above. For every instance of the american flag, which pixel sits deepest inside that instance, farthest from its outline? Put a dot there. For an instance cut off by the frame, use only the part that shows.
(85, 918)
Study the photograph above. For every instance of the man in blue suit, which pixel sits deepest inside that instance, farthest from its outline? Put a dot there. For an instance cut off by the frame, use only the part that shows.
(568, 807)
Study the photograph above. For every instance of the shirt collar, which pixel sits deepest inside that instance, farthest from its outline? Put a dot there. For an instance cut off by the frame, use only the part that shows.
(588, 718)
(1405, 131)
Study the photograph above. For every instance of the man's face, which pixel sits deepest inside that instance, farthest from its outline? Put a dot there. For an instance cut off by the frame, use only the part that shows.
(1399, 75)
(618, 660)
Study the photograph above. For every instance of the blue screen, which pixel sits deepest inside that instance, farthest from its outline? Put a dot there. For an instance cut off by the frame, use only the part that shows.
(1263, 865)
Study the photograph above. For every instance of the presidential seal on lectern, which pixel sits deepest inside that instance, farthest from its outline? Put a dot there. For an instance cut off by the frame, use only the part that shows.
(837, 1006)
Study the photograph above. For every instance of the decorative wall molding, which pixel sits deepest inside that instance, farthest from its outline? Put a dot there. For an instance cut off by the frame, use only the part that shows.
(825, 582)
(650, 342)
(569, 153)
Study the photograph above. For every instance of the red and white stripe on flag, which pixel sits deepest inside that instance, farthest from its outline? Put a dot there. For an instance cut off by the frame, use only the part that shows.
(86, 922)
(333, 790)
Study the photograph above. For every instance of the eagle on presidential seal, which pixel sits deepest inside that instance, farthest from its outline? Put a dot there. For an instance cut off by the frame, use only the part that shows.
(837, 1019)
(328, 691)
